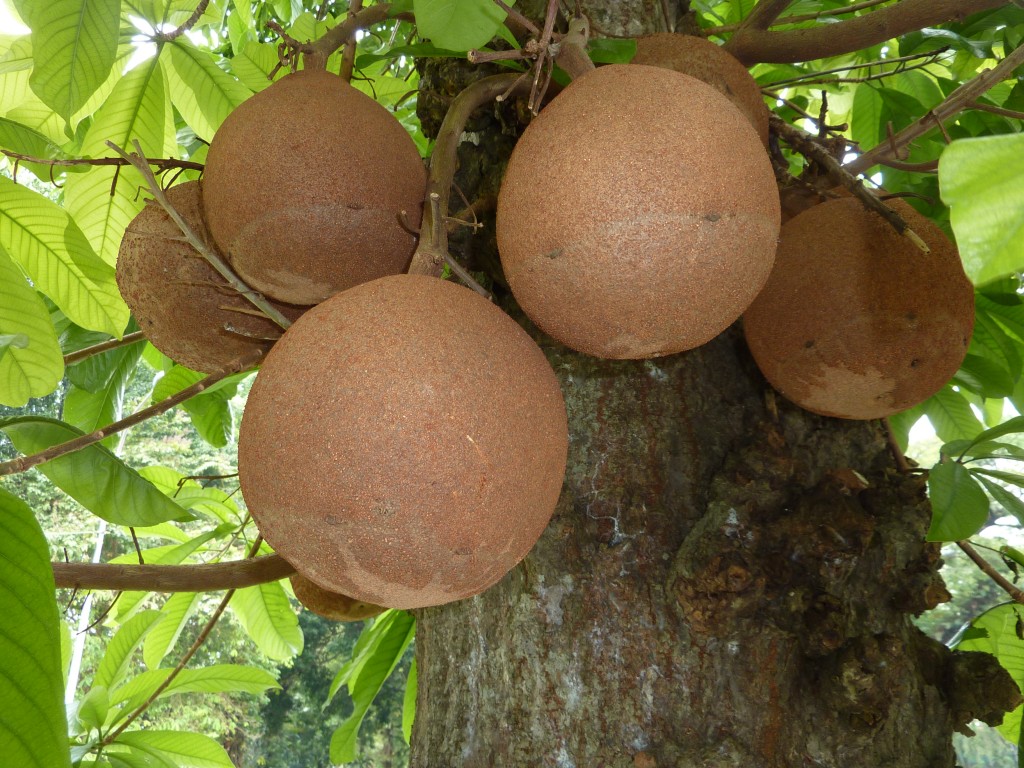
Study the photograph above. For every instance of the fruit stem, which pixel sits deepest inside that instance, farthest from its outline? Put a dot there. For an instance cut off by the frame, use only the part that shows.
(806, 145)
(432, 251)
(207, 577)
(257, 299)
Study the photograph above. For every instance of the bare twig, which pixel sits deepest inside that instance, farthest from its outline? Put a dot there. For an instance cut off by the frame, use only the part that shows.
(993, 109)
(167, 37)
(986, 567)
(172, 578)
(315, 54)
(956, 102)
(62, 449)
(162, 163)
(805, 144)
(257, 299)
(518, 18)
(200, 639)
(802, 79)
(430, 255)
(751, 46)
(104, 346)
(853, 8)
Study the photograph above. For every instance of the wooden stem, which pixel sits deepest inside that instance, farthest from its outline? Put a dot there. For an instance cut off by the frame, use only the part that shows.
(986, 568)
(172, 578)
(105, 346)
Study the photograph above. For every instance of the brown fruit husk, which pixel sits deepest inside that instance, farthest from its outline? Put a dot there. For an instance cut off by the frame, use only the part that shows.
(404, 443)
(855, 321)
(312, 187)
(331, 605)
(187, 310)
(639, 215)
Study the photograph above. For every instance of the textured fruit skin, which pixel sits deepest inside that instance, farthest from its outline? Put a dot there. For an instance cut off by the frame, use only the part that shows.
(312, 187)
(855, 321)
(709, 63)
(404, 443)
(331, 605)
(181, 304)
(639, 214)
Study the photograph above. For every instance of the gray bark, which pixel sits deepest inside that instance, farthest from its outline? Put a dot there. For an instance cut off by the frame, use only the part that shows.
(727, 580)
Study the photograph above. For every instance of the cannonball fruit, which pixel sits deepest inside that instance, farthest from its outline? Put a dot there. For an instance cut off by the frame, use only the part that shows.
(312, 187)
(331, 605)
(855, 320)
(700, 58)
(187, 310)
(404, 443)
(639, 214)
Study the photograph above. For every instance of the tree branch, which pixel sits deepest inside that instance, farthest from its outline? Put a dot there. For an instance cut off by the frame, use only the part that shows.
(167, 37)
(163, 163)
(805, 17)
(105, 346)
(764, 14)
(959, 100)
(752, 46)
(61, 449)
(986, 568)
(316, 53)
(348, 58)
(235, 574)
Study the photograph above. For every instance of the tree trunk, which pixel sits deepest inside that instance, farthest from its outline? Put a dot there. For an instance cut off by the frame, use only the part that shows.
(727, 580)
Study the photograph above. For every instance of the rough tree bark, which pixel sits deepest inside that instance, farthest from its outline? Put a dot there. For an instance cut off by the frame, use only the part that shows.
(727, 581)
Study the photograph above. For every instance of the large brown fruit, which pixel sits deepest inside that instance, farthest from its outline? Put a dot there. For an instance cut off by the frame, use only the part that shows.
(312, 187)
(639, 215)
(187, 310)
(404, 443)
(331, 605)
(856, 321)
(709, 63)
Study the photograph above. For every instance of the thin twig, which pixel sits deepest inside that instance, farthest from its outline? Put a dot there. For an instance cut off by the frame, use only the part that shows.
(105, 346)
(894, 448)
(805, 17)
(200, 639)
(167, 37)
(876, 63)
(256, 298)
(956, 102)
(518, 18)
(806, 145)
(1002, 111)
(62, 449)
(986, 568)
(208, 577)
(163, 163)
(463, 274)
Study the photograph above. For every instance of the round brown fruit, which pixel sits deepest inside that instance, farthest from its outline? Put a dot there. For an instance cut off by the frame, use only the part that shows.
(709, 63)
(639, 214)
(404, 443)
(331, 605)
(187, 310)
(312, 187)
(855, 321)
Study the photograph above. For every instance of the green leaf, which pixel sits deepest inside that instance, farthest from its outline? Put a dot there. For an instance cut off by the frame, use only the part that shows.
(211, 502)
(210, 413)
(1008, 427)
(48, 245)
(177, 611)
(27, 141)
(268, 618)
(1006, 499)
(118, 654)
(605, 50)
(866, 125)
(31, 369)
(137, 108)
(380, 658)
(409, 703)
(75, 42)
(951, 415)
(980, 182)
(93, 476)
(88, 411)
(219, 678)
(458, 24)
(33, 725)
(1007, 477)
(92, 709)
(187, 750)
(254, 64)
(959, 505)
(203, 93)
(995, 632)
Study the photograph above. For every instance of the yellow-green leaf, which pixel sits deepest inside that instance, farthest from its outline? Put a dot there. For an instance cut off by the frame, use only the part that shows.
(203, 93)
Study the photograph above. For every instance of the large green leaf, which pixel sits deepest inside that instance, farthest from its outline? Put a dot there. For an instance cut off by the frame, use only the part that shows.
(980, 182)
(392, 633)
(1006, 499)
(186, 750)
(458, 24)
(137, 108)
(211, 502)
(93, 476)
(91, 410)
(866, 123)
(210, 413)
(409, 702)
(959, 504)
(33, 725)
(118, 654)
(254, 63)
(219, 678)
(75, 42)
(35, 369)
(178, 609)
(995, 632)
(48, 245)
(951, 415)
(24, 140)
(268, 618)
(203, 93)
